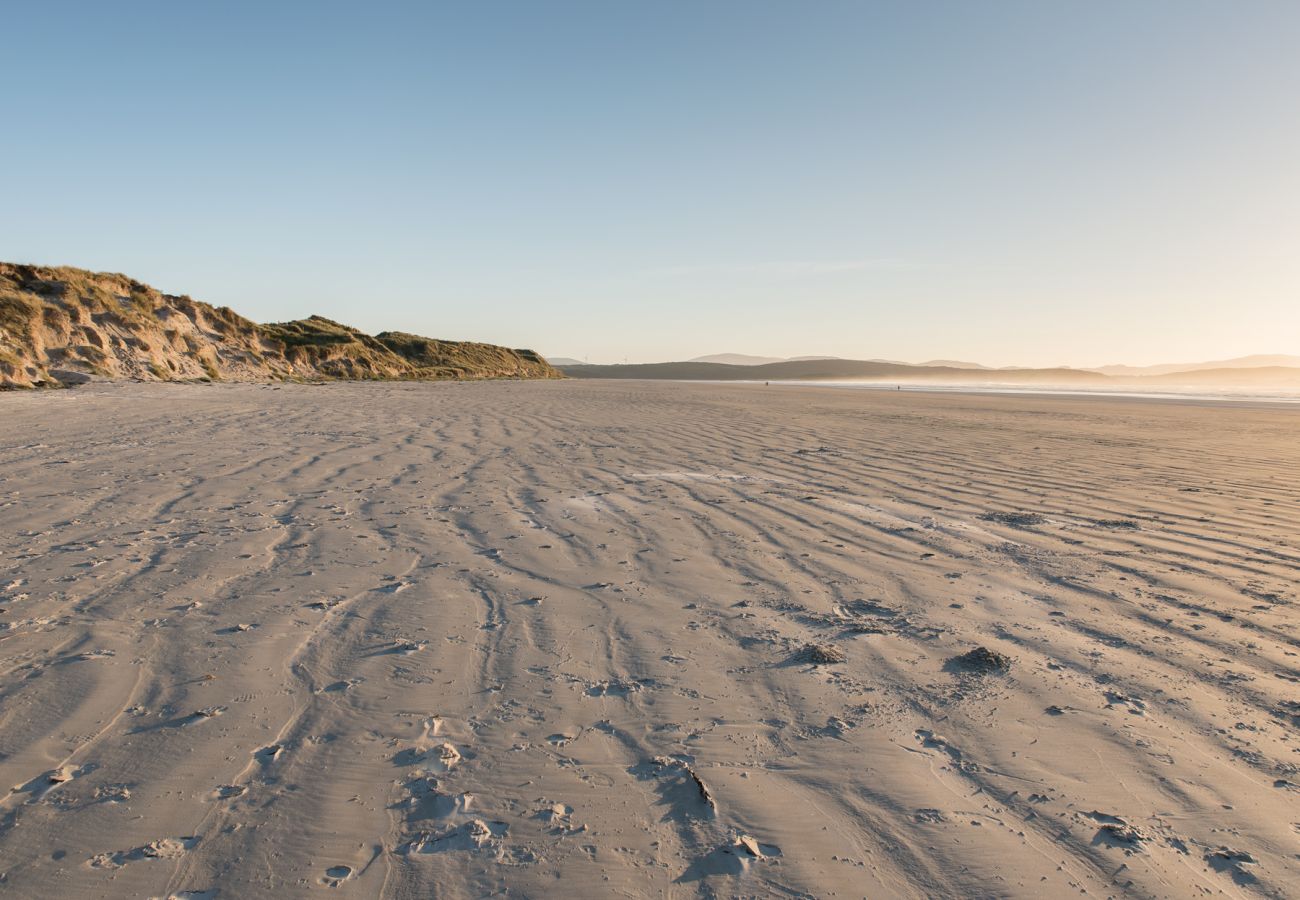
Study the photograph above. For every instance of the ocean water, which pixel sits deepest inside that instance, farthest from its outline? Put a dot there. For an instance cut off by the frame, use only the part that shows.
(1197, 395)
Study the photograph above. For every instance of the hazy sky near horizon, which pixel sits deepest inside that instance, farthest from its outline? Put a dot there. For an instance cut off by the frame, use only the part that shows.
(1010, 182)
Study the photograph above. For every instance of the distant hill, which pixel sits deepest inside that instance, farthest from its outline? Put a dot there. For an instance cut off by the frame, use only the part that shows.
(737, 359)
(1263, 372)
(1263, 377)
(1257, 361)
(1260, 377)
(1241, 362)
(832, 370)
(952, 364)
(564, 361)
(62, 326)
(743, 359)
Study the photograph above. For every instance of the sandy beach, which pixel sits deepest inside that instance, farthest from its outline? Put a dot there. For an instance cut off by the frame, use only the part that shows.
(645, 639)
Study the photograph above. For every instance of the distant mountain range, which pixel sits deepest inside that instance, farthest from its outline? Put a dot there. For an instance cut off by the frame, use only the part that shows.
(726, 359)
(826, 370)
(742, 359)
(1264, 369)
(1258, 361)
(955, 364)
(1231, 373)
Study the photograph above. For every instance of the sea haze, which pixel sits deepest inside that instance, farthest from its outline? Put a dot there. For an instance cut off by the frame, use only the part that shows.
(1226, 395)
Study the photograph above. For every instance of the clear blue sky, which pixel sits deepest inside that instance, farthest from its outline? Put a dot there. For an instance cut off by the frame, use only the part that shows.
(1013, 182)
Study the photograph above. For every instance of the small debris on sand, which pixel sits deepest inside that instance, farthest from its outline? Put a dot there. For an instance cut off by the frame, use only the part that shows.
(167, 848)
(824, 654)
(268, 754)
(1123, 832)
(981, 661)
(1014, 519)
(448, 755)
(1228, 855)
(706, 796)
(1233, 863)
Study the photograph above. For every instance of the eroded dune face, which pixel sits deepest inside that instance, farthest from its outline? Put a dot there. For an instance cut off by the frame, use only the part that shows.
(67, 326)
(613, 639)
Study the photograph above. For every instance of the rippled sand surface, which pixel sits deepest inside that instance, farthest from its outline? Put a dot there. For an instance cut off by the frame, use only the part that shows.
(645, 639)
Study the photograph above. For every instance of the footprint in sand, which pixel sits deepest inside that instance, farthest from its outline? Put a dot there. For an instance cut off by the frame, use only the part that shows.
(554, 814)
(426, 801)
(207, 712)
(442, 758)
(618, 687)
(336, 875)
(735, 857)
(268, 755)
(475, 834)
(40, 786)
(237, 628)
(112, 793)
(339, 686)
(166, 848)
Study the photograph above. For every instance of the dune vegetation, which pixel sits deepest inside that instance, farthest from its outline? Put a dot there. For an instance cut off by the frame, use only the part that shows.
(64, 326)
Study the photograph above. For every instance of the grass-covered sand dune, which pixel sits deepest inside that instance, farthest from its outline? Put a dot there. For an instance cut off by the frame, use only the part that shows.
(61, 326)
